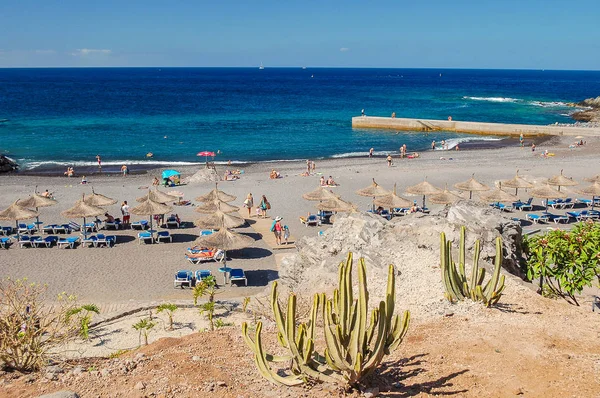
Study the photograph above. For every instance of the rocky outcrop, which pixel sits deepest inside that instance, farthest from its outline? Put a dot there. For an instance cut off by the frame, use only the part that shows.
(588, 115)
(411, 243)
(7, 164)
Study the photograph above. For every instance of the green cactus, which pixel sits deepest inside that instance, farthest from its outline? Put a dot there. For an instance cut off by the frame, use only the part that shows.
(355, 343)
(455, 280)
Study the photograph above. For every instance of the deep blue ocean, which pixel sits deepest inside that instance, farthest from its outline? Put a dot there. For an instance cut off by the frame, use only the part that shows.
(68, 116)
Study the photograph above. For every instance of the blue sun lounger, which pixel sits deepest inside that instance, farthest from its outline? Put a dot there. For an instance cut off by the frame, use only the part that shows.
(115, 225)
(6, 231)
(142, 224)
(556, 218)
(523, 206)
(202, 274)
(236, 275)
(5, 242)
(69, 242)
(25, 240)
(46, 241)
(27, 228)
(145, 237)
(108, 240)
(183, 278)
(535, 218)
(163, 236)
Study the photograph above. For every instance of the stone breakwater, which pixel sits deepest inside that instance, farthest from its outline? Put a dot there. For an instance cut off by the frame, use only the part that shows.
(498, 129)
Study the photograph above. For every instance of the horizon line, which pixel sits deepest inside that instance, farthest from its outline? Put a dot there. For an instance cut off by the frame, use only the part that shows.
(295, 67)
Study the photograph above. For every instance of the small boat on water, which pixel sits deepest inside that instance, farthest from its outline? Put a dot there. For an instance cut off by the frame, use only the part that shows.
(261, 67)
(304, 67)
(3, 120)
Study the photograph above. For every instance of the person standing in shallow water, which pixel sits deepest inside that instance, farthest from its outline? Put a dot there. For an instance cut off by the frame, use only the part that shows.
(371, 152)
(389, 160)
(99, 161)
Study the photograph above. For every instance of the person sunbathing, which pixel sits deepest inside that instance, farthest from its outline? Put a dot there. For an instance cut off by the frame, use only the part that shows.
(330, 182)
(274, 175)
(322, 182)
(197, 252)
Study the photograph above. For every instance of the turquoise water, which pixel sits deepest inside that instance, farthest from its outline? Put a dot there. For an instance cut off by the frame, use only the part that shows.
(68, 116)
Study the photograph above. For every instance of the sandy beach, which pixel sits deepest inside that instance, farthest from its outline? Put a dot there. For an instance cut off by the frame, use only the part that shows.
(130, 272)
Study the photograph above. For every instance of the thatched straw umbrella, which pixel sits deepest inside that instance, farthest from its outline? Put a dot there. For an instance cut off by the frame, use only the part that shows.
(321, 193)
(214, 205)
(444, 198)
(220, 220)
(215, 194)
(517, 182)
(562, 181)
(392, 201)
(149, 208)
(471, 185)
(156, 196)
(95, 199)
(337, 205)
(83, 210)
(498, 195)
(15, 213)
(595, 178)
(593, 191)
(373, 191)
(547, 192)
(36, 201)
(176, 194)
(224, 240)
(424, 188)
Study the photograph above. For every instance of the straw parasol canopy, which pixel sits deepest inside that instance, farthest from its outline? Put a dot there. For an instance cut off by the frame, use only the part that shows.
(498, 195)
(36, 201)
(593, 191)
(392, 201)
(319, 194)
(224, 240)
(423, 188)
(15, 213)
(337, 204)
(95, 199)
(471, 185)
(149, 208)
(547, 192)
(157, 196)
(562, 181)
(517, 182)
(215, 194)
(374, 190)
(83, 210)
(220, 220)
(212, 206)
(595, 178)
(444, 198)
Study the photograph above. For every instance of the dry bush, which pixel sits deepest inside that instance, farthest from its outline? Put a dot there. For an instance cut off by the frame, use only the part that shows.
(30, 327)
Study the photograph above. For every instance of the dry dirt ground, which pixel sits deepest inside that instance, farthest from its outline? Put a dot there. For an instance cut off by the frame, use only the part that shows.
(528, 346)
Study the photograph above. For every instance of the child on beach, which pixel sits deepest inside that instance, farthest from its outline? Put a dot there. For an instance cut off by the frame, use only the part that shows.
(83, 180)
(124, 170)
(389, 160)
(286, 234)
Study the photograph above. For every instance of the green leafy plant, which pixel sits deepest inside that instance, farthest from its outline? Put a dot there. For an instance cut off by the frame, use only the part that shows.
(29, 328)
(170, 309)
(144, 326)
(208, 309)
(219, 323)
(565, 261)
(207, 286)
(355, 343)
(117, 354)
(84, 314)
(457, 285)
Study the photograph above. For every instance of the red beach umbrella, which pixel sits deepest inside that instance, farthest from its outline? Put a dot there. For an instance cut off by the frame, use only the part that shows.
(206, 154)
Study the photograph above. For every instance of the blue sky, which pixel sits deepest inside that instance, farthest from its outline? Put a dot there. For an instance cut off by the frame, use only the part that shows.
(531, 34)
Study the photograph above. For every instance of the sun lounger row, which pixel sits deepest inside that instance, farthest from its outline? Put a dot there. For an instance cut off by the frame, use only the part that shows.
(186, 278)
(39, 241)
(559, 203)
(99, 240)
(148, 237)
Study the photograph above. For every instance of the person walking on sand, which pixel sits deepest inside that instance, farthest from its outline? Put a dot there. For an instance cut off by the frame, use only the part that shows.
(277, 229)
(286, 234)
(124, 170)
(264, 206)
(99, 161)
(433, 145)
(533, 147)
(308, 166)
(521, 140)
(371, 152)
(389, 160)
(125, 213)
(249, 204)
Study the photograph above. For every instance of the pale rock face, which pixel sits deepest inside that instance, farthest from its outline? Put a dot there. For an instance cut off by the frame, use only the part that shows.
(411, 243)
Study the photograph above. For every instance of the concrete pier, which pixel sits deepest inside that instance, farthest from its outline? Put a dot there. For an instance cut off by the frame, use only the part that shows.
(405, 124)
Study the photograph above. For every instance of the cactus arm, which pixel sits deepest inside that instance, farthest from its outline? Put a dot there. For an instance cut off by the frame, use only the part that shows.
(390, 293)
(348, 295)
(461, 256)
(379, 348)
(278, 315)
(251, 344)
(399, 331)
(475, 269)
(310, 331)
(493, 283)
(334, 349)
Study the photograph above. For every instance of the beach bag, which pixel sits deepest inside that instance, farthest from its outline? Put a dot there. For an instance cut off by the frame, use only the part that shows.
(247, 202)
(268, 205)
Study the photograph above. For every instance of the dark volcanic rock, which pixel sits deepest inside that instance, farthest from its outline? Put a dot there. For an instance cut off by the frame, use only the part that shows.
(7, 164)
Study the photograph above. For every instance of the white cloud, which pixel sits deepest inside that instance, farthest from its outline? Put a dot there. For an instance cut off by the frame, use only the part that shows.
(82, 52)
(43, 52)
(344, 49)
